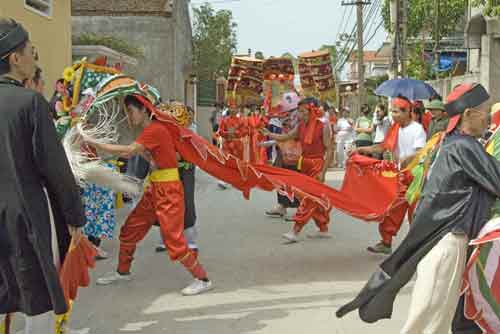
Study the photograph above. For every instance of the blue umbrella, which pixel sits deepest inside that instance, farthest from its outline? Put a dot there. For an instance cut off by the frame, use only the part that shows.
(409, 88)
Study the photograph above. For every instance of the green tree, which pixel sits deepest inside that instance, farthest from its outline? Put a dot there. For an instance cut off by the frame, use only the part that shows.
(214, 41)
(295, 61)
(422, 15)
(418, 67)
(259, 55)
(491, 7)
(333, 53)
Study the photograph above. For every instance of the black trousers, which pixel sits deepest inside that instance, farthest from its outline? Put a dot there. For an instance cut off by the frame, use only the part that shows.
(188, 182)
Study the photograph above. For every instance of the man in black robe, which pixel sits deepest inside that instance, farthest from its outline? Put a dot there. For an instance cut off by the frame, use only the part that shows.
(460, 189)
(32, 164)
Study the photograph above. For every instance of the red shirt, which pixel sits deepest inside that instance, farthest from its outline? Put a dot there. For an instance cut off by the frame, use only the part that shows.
(316, 149)
(158, 141)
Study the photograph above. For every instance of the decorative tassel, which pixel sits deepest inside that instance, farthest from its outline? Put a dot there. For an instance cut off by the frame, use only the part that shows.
(5, 326)
(63, 320)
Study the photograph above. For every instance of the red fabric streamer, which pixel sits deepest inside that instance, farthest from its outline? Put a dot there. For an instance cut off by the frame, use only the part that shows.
(426, 120)
(147, 104)
(391, 138)
(245, 176)
(75, 269)
(453, 123)
(314, 115)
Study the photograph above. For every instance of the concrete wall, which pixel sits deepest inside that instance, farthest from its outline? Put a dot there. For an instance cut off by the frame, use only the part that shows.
(490, 65)
(445, 86)
(183, 49)
(203, 121)
(50, 35)
(166, 42)
(484, 64)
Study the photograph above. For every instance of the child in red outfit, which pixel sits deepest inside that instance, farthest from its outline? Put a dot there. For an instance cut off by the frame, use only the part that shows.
(163, 201)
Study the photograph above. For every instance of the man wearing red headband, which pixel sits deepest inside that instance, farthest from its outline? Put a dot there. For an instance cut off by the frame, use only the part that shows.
(163, 202)
(315, 139)
(403, 140)
(459, 191)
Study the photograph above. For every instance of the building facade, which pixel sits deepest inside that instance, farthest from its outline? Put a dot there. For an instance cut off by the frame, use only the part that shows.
(49, 25)
(376, 64)
(482, 40)
(162, 28)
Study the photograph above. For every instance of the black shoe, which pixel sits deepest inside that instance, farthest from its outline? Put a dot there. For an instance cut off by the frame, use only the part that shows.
(380, 248)
(160, 249)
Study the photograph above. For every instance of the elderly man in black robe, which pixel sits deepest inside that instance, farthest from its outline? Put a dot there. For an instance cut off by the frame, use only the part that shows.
(33, 166)
(461, 186)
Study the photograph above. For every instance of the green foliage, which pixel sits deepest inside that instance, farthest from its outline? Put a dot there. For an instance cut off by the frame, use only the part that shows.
(259, 55)
(418, 68)
(491, 7)
(111, 42)
(422, 15)
(295, 61)
(214, 41)
(333, 53)
(372, 83)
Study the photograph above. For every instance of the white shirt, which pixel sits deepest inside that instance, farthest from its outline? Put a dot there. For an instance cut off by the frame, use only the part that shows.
(410, 139)
(381, 128)
(345, 130)
(276, 122)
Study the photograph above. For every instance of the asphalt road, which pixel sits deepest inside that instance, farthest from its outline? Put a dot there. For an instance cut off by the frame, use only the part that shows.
(262, 285)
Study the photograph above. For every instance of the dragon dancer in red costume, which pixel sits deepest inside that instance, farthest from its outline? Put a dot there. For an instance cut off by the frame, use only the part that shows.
(256, 122)
(234, 130)
(315, 139)
(403, 140)
(162, 202)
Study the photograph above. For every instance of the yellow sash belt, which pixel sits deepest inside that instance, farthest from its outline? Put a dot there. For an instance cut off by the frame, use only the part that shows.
(165, 175)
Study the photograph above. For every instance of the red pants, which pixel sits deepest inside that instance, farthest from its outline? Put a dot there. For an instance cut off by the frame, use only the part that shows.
(162, 202)
(391, 224)
(234, 147)
(308, 208)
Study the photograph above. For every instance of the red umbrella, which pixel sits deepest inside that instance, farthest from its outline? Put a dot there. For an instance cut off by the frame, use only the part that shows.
(75, 269)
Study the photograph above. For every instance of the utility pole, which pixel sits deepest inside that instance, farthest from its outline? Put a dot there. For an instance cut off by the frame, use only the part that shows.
(395, 38)
(404, 37)
(361, 64)
(437, 33)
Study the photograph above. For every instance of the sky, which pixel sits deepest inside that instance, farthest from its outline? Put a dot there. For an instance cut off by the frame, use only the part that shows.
(279, 26)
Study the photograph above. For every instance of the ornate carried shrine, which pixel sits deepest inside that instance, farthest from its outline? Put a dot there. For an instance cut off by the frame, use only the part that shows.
(278, 80)
(316, 74)
(245, 80)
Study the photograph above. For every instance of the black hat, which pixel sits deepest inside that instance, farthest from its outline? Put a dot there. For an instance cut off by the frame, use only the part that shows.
(310, 100)
(11, 37)
(465, 96)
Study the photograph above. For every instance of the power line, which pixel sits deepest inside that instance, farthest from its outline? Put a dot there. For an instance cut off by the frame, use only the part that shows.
(343, 54)
(341, 23)
(365, 44)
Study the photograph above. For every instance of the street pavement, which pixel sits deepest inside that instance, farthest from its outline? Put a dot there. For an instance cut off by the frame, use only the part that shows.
(262, 285)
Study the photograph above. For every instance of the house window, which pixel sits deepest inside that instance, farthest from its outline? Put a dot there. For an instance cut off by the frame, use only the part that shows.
(42, 7)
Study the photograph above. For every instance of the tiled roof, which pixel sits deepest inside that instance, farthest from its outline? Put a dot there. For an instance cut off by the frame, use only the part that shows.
(121, 7)
(369, 56)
